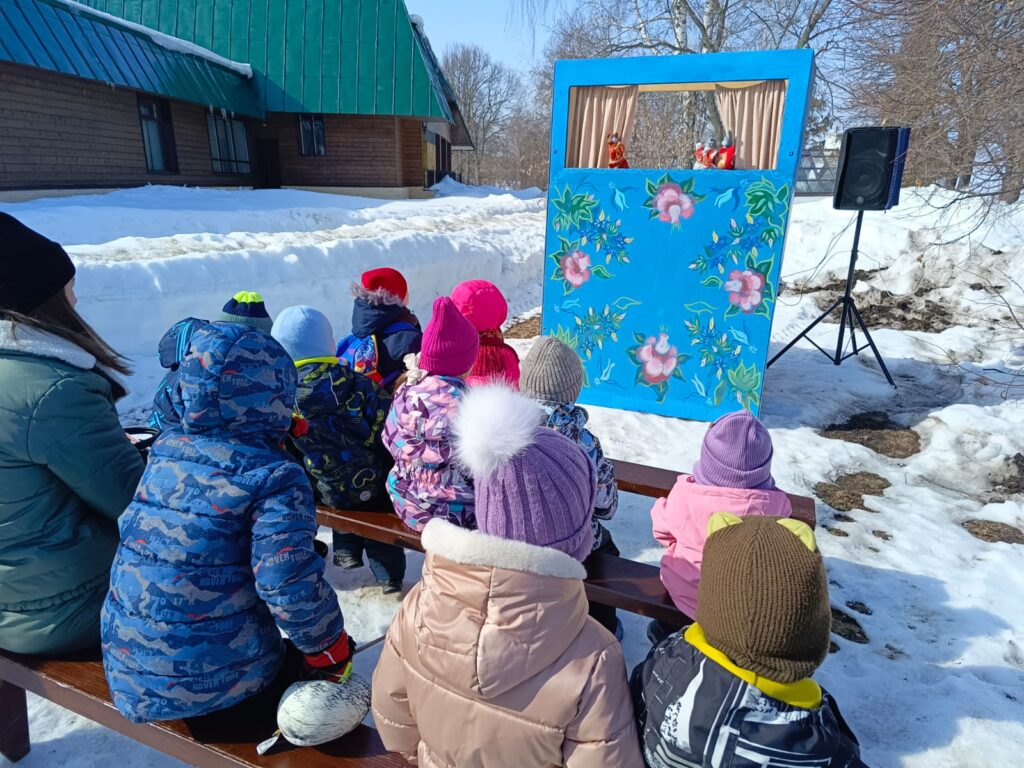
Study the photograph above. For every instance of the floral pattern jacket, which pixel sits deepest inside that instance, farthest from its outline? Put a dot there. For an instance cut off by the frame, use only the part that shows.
(426, 482)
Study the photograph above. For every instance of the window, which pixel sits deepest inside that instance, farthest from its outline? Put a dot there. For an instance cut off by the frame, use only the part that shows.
(703, 126)
(311, 136)
(229, 145)
(158, 135)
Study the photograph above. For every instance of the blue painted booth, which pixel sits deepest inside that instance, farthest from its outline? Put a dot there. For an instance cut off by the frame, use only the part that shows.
(664, 280)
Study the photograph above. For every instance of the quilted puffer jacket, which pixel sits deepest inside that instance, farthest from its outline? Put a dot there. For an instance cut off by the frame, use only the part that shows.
(492, 662)
(696, 708)
(426, 482)
(342, 449)
(216, 548)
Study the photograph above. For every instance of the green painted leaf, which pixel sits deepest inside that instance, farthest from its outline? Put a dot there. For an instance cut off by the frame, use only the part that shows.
(712, 281)
(763, 310)
(719, 393)
(651, 188)
(783, 194)
(699, 307)
(601, 272)
(625, 302)
(639, 338)
(732, 311)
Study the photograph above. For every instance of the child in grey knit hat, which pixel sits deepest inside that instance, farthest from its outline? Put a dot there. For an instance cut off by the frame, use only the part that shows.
(552, 374)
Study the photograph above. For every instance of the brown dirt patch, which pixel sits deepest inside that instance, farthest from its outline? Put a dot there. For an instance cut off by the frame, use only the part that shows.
(859, 607)
(882, 309)
(524, 329)
(848, 491)
(991, 531)
(875, 430)
(883, 535)
(836, 531)
(839, 517)
(1014, 481)
(848, 627)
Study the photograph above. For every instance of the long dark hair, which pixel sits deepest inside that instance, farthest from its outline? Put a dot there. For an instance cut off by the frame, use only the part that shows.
(58, 317)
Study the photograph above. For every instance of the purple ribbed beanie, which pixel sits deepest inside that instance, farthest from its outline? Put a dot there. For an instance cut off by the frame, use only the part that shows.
(736, 453)
(531, 483)
(450, 342)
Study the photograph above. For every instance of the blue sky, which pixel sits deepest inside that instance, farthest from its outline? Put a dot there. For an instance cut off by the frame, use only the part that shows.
(482, 22)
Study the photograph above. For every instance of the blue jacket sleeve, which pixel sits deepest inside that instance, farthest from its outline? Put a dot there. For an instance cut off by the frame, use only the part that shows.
(289, 573)
(607, 501)
(403, 343)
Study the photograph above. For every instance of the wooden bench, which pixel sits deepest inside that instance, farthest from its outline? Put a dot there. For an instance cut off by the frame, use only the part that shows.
(77, 683)
(615, 581)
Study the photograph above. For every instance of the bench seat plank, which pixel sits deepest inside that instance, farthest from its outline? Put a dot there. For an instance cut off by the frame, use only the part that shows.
(656, 482)
(614, 581)
(77, 683)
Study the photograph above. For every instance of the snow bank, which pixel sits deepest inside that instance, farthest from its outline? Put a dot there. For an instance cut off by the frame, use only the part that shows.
(449, 187)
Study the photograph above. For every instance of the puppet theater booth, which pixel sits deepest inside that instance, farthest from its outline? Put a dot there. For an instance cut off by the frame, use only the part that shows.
(663, 248)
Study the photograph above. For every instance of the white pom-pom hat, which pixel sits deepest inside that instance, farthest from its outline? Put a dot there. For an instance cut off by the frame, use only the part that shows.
(531, 483)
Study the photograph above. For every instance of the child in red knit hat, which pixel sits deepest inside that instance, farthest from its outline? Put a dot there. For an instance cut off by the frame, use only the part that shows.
(482, 304)
(426, 482)
(384, 330)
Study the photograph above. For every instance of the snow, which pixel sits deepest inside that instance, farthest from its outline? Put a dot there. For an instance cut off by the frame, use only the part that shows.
(449, 187)
(166, 41)
(940, 682)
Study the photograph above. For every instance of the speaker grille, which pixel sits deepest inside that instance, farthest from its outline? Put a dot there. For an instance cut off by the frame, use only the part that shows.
(865, 169)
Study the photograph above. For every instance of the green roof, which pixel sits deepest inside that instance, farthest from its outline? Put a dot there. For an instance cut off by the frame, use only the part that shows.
(332, 56)
(60, 37)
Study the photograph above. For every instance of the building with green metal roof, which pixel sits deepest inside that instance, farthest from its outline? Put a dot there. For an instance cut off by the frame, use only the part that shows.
(329, 94)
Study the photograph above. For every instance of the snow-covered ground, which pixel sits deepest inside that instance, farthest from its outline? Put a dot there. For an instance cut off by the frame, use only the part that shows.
(940, 681)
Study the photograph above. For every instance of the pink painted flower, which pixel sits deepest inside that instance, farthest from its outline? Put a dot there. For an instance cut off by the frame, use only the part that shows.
(672, 203)
(659, 358)
(576, 268)
(745, 289)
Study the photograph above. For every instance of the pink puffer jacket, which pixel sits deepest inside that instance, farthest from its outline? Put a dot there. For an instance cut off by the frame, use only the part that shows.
(492, 661)
(681, 524)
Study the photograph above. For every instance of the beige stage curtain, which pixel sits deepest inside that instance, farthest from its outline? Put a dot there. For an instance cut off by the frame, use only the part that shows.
(754, 117)
(594, 112)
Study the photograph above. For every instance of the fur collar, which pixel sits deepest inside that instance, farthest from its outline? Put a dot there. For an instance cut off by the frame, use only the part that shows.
(31, 341)
(475, 548)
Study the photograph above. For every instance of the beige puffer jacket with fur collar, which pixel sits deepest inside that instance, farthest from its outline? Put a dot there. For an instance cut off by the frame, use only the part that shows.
(492, 661)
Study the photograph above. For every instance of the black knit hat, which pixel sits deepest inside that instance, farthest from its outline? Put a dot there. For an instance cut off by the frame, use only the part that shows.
(32, 268)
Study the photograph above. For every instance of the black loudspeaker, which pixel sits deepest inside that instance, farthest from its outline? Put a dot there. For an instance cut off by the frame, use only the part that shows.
(870, 168)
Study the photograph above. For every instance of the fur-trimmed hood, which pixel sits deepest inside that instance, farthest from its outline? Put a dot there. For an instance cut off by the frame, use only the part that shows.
(26, 340)
(523, 606)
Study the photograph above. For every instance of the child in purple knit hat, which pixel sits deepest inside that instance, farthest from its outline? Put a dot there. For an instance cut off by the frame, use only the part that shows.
(425, 482)
(733, 474)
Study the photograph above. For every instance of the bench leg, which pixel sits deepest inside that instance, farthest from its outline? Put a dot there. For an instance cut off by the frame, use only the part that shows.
(14, 723)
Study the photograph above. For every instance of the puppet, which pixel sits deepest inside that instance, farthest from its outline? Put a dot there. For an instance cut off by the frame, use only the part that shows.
(616, 152)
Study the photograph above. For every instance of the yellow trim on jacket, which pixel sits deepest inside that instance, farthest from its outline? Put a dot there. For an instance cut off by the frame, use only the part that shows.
(805, 693)
(310, 360)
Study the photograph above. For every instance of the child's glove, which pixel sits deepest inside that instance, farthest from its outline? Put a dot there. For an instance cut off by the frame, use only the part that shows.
(333, 664)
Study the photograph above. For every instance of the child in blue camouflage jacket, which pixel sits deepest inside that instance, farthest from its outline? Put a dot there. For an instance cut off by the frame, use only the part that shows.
(341, 448)
(216, 550)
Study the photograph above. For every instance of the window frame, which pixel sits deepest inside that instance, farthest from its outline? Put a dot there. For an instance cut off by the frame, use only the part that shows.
(163, 119)
(224, 129)
(314, 120)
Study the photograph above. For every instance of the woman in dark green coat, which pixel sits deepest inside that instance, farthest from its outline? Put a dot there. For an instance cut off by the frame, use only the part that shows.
(67, 470)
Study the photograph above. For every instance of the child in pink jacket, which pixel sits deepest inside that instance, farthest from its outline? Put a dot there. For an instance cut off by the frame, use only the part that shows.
(482, 304)
(733, 474)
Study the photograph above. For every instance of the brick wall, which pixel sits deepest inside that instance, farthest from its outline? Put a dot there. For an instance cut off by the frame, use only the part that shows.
(58, 131)
(362, 151)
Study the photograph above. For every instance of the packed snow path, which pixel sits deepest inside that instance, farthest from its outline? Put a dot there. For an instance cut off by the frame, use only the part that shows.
(939, 681)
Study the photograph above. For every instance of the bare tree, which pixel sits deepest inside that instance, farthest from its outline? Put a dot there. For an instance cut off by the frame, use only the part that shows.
(488, 94)
(949, 70)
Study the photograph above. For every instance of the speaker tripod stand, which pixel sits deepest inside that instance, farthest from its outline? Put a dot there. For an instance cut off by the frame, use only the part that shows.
(850, 317)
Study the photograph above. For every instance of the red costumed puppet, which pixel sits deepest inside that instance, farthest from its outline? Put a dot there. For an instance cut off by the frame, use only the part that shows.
(616, 152)
(726, 157)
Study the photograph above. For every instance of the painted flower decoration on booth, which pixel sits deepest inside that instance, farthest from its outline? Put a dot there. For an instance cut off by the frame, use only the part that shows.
(671, 201)
(576, 268)
(746, 289)
(657, 361)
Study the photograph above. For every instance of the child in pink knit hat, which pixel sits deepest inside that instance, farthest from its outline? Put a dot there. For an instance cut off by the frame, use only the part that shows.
(482, 304)
(426, 482)
(733, 474)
